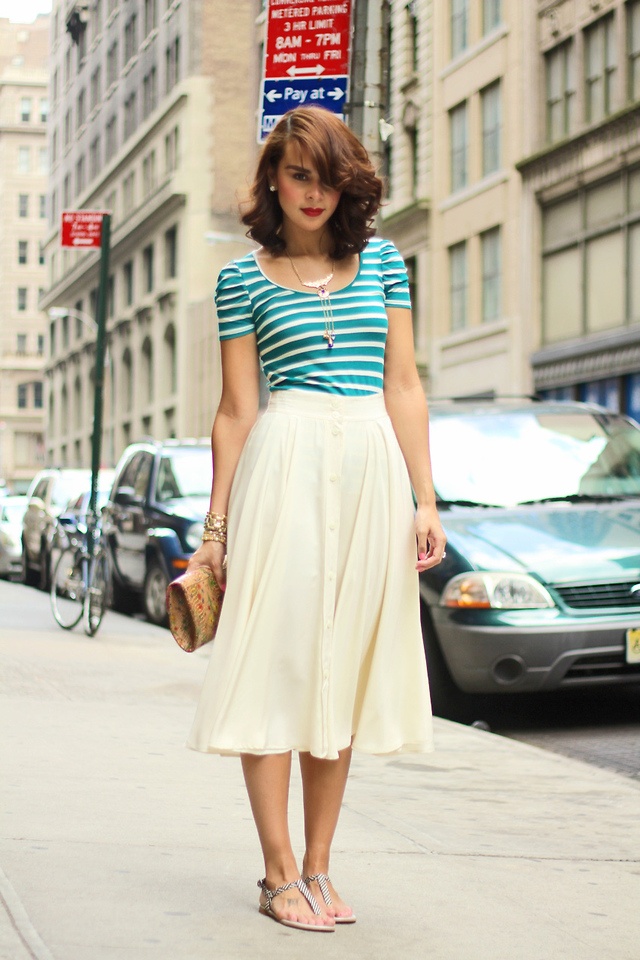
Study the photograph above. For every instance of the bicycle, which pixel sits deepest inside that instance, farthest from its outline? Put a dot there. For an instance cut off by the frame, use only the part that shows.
(80, 579)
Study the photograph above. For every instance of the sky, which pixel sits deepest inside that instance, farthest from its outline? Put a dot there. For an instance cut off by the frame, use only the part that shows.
(24, 11)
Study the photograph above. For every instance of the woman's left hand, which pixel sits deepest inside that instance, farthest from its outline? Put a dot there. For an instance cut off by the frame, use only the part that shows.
(430, 537)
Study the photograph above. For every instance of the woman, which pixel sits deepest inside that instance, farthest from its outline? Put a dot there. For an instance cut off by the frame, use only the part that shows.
(319, 646)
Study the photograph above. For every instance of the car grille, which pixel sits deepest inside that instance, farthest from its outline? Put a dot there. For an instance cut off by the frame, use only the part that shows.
(592, 595)
(600, 665)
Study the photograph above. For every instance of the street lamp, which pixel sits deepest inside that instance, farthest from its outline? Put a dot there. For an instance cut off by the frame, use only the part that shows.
(58, 313)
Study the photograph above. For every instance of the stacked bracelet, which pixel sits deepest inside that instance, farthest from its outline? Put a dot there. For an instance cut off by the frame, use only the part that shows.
(215, 527)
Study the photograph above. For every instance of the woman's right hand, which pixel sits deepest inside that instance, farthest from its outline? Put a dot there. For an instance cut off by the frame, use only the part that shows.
(210, 554)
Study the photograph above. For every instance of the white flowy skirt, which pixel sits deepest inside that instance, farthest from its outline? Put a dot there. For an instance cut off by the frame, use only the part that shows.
(319, 643)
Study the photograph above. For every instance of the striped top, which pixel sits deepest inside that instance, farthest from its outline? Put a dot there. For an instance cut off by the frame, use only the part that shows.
(289, 324)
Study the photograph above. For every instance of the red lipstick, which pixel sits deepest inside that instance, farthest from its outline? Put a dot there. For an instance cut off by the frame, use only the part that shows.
(312, 211)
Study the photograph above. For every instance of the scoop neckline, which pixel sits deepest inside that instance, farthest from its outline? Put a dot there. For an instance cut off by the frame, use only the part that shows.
(305, 293)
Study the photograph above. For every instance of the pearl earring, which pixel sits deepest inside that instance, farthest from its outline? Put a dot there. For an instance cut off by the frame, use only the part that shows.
(272, 188)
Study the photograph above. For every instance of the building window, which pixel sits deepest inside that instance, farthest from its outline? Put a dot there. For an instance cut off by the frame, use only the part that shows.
(128, 283)
(149, 173)
(26, 106)
(96, 85)
(41, 259)
(81, 109)
(130, 115)
(633, 33)
(147, 268)
(43, 161)
(171, 145)
(130, 37)
(94, 158)
(40, 344)
(591, 243)
(149, 92)
(54, 147)
(600, 68)
(80, 175)
(412, 16)
(44, 110)
(170, 376)
(67, 128)
(459, 26)
(491, 128)
(172, 65)
(21, 348)
(66, 192)
(171, 253)
(111, 139)
(128, 192)
(147, 371)
(23, 205)
(491, 15)
(22, 251)
(24, 159)
(37, 395)
(459, 146)
(22, 299)
(490, 243)
(22, 396)
(561, 88)
(150, 15)
(458, 285)
(112, 63)
(55, 86)
(42, 206)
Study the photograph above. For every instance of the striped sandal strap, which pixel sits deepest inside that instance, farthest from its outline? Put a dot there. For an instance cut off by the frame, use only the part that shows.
(299, 884)
(323, 882)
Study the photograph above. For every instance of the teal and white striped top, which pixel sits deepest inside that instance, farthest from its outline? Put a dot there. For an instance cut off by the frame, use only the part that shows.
(289, 324)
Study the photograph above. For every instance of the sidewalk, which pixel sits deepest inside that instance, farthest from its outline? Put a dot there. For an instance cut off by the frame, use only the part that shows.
(117, 843)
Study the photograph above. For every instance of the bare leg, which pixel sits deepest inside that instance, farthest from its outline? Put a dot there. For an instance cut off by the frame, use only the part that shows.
(267, 779)
(323, 784)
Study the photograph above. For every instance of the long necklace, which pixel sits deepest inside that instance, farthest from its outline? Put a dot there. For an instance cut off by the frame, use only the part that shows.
(322, 289)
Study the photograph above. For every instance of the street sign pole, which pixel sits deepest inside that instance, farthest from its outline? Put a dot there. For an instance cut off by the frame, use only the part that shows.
(101, 320)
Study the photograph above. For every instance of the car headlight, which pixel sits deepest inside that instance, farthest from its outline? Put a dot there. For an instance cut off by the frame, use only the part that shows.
(193, 536)
(498, 591)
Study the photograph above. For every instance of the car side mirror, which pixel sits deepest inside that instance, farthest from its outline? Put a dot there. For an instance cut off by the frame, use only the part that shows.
(126, 497)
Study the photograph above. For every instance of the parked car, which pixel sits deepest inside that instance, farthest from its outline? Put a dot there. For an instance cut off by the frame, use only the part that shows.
(12, 511)
(540, 588)
(50, 491)
(153, 520)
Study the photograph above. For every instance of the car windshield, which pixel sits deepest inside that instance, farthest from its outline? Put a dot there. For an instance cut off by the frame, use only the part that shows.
(510, 457)
(69, 485)
(184, 473)
(11, 512)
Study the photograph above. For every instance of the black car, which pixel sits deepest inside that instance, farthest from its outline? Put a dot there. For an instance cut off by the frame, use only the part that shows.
(153, 520)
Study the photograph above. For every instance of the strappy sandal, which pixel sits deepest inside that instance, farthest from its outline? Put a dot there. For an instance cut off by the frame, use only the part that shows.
(300, 885)
(323, 882)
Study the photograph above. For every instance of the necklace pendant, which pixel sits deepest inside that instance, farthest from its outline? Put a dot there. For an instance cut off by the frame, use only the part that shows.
(330, 338)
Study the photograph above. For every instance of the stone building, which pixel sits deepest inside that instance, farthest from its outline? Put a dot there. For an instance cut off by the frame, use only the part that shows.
(581, 181)
(153, 119)
(454, 101)
(23, 186)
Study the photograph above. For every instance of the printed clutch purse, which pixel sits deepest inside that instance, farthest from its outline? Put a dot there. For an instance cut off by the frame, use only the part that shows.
(194, 602)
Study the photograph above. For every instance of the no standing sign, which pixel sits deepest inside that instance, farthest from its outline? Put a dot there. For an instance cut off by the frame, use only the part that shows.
(306, 59)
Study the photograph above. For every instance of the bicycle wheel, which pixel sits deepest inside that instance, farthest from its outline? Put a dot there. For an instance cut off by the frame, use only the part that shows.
(67, 588)
(95, 600)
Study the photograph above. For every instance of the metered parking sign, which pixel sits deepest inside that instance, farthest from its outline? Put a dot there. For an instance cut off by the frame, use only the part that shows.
(306, 59)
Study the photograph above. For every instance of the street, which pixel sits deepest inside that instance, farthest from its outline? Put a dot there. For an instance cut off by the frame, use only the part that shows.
(116, 843)
(598, 726)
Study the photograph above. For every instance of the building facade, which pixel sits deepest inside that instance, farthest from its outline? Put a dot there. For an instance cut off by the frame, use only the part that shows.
(24, 109)
(581, 180)
(153, 120)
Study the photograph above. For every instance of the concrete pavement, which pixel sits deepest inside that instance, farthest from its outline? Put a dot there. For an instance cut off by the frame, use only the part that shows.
(117, 843)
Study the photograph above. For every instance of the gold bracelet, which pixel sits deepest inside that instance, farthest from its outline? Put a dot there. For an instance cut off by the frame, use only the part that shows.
(215, 521)
(215, 535)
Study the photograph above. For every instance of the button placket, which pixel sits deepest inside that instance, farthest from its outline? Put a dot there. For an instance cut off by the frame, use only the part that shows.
(334, 438)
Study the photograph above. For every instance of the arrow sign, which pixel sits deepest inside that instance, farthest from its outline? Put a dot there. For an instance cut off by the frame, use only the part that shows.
(272, 96)
(336, 94)
(306, 71)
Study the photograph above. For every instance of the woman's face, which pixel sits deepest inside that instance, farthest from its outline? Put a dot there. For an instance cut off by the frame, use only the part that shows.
(306, 202)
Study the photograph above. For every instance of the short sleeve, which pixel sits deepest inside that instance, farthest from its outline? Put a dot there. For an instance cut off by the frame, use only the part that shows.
(394, 277)
(233, 306)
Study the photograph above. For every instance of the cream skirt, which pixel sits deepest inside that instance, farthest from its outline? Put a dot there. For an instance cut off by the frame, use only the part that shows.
(319, 643)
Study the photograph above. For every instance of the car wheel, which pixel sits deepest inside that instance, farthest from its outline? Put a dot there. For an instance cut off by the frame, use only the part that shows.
(155, 589)
(28, 575)
(447, 699)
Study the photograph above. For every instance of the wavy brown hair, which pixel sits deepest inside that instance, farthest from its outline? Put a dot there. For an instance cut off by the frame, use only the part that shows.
(342, 163)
